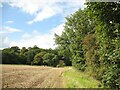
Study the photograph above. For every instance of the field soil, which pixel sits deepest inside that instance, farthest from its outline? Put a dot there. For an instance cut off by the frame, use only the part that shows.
(21, 76)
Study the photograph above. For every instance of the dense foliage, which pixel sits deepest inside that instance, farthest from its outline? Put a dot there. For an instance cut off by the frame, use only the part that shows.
(32, 56)
(91, 40)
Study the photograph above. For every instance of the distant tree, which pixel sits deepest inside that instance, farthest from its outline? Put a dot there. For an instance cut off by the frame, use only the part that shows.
(32, 51)
(23, 50)
(49, 59)
(61, 63)
(38, 59)
(30, 56)
(15, 49)
(10, 56)
(55, 60)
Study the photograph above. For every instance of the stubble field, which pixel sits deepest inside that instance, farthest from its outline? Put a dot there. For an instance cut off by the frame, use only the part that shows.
(20, 76)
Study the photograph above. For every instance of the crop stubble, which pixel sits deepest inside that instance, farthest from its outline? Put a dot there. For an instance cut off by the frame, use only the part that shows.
(20, 76)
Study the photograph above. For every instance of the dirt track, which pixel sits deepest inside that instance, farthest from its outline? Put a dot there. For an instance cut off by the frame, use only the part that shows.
(19, 76)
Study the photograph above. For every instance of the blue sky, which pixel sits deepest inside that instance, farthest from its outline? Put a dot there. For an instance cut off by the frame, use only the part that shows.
(26, 23)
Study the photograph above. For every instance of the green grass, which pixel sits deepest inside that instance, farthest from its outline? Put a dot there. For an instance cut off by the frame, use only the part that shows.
(76, 79)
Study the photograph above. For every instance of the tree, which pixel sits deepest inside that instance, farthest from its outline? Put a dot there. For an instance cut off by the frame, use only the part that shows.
(49, 60)
(10, 56)
(23, 50)
(106, 11)
(108, 33)
(32, 51)
(15, 49)
(76, 27)
(38, 59)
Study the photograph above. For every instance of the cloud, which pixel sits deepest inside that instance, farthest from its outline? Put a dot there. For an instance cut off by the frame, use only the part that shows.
(57, 30)
(4, 32)
(38, 38)
(5, 42)
(44, 9)
(8, 29)
(30, 6)
(26, 35)
(45, 13)
(1, 5)
(10, 22)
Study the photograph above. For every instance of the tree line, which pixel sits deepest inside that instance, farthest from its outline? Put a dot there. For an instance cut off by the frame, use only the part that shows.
(33, 56)
(90, 42)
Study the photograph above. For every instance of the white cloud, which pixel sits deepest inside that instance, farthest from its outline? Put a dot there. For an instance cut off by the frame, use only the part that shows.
(26, 35)
(9, 22)
(45, 13)
(38, 38)
(44, 9)
(4, 32)
(30, 6)
(58, 30)
(8, 29)
(1, 5)
(4, 41)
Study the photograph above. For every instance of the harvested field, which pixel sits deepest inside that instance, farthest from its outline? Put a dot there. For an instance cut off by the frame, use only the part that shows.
(21, 76)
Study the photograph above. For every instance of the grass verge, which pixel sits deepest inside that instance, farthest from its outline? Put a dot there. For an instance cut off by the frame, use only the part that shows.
(76, 79)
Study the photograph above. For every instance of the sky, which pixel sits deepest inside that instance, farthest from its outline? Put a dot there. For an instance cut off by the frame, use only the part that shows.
(25, 23)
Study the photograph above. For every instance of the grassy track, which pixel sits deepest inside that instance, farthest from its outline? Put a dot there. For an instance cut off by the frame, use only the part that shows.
(76, 79)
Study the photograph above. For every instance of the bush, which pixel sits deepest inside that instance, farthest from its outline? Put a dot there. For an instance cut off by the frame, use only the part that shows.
(61, 63)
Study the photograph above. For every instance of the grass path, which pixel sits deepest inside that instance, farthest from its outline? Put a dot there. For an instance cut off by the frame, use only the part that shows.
(77, 79)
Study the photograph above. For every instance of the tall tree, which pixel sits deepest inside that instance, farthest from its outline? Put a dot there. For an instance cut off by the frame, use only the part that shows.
(108, 31)
(76, 27)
